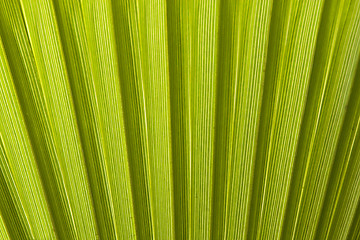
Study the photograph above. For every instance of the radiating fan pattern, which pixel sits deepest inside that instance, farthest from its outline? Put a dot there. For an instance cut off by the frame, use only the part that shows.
(179, 119)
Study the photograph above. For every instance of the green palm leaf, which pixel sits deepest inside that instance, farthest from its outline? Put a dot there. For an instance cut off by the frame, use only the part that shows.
(177, 119)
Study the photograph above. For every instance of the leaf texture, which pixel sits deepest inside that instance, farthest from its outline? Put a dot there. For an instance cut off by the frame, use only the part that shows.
(175, 119)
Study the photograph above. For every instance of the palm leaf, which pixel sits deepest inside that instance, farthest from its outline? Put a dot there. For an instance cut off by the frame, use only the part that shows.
(154, 119)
